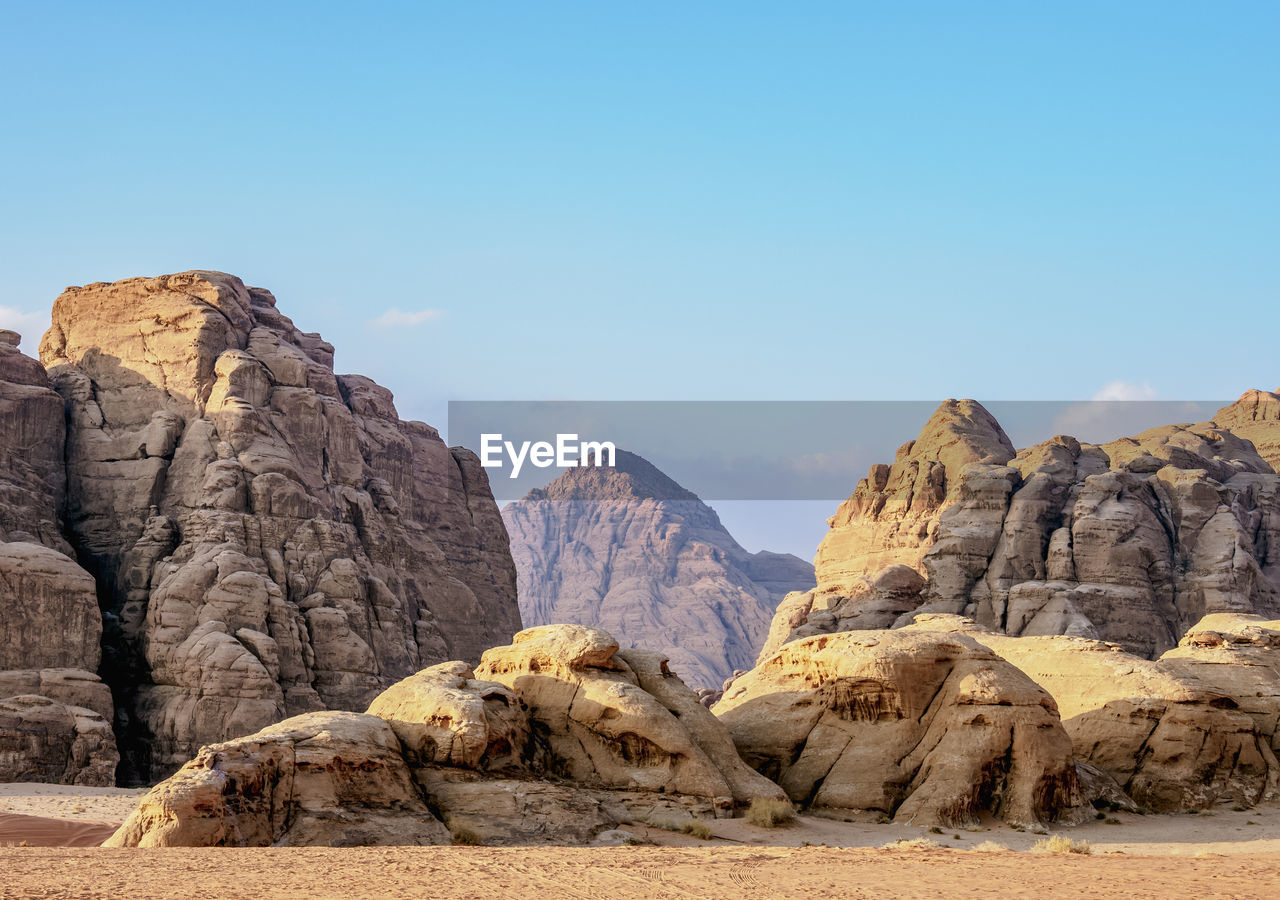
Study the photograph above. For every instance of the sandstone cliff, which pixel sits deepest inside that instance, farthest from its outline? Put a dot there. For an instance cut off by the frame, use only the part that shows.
(628, 550)
(268, 538)
(1133, 541)
(55, 713)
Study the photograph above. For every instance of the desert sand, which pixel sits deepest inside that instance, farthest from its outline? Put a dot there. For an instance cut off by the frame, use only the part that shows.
(619, 873)
(1223, 853)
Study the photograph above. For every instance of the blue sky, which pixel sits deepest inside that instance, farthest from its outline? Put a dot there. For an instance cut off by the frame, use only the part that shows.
(669, 200)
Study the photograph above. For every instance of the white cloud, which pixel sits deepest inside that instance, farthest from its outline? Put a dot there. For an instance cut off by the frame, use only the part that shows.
(398, 318)
(1124, 390)
(31, 325)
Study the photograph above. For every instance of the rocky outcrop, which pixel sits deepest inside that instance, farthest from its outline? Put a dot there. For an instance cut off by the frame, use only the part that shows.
(892, 516)
(1171, 740)
(269, 538)
(1256, 418)
(577, 741)
(910, 725)
(628, 550)
(55, 714)
(1133, 541)
(619, 720)
(330, 778)
(1238, 655)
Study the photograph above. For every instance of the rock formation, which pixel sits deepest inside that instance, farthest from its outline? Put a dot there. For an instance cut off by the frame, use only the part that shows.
(911, 725)
(1169, 739)
(1256, 418)
(628, 550)
(575, 742)
(1238, 655)
(55, 713)
(1133, 541)
(268, 538)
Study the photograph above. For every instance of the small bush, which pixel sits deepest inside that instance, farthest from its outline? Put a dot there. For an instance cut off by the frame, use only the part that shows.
(990, 847)
(935, 830)
(1058, 844)
(1100, 816)
(1112, 820)
(466, 837)
(1237, 808)
(694, 828)
(770, 813)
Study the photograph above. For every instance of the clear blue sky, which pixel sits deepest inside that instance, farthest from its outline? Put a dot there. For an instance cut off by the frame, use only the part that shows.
(668, 200)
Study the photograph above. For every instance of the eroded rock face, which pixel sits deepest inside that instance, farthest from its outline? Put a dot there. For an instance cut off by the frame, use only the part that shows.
(910, 725)
(55, 715)
(1256, 418)
(333, 779)
(42, 739)
(271, 538)
(579, 741)
(1132, 542)
(1238, 655)
(628, 550)
(618, 720)
(891, 518)
(1171, 740)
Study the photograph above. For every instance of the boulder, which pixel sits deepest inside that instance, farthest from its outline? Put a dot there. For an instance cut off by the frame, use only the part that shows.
(44, 740)
(618, 721)
(334, 779)
(1172, 741)
(909, 725)
(1238, 655)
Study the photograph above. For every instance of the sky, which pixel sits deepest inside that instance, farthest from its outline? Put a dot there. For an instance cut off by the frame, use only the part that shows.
(606, 201)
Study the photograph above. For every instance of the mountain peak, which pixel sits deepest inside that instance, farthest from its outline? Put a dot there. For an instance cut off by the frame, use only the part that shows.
(632, 477)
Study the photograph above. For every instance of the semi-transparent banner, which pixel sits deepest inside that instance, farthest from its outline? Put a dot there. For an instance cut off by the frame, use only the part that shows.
(759, 450)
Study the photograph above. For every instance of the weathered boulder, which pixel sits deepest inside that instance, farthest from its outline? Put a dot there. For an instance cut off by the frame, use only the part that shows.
(580, 739)
(270, 537)
(42, 739)
(618, 720)
(445, 717)
(323, 779)
(912, 725)
(626, 549)
(1172, 741)
(1238, 655)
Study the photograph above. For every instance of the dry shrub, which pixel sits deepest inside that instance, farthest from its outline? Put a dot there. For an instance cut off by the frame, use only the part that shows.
(770, 813)
(1056, 843)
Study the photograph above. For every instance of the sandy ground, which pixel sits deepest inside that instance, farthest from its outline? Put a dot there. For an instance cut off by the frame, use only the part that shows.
(1222, 853)
(619, 873)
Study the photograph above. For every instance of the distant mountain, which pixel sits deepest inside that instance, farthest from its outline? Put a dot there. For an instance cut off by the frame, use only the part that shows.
(627, 549)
